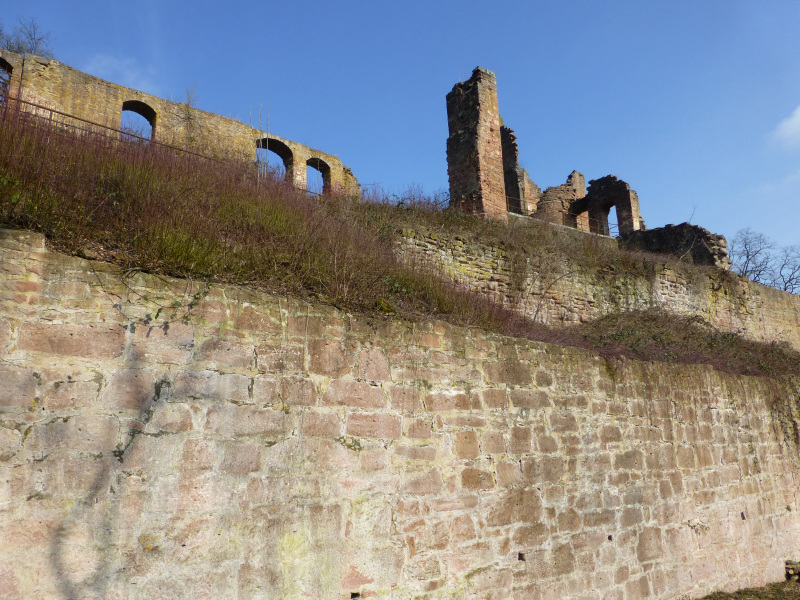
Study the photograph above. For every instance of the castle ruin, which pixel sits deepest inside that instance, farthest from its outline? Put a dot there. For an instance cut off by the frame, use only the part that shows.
(485, 176)
(72, 98)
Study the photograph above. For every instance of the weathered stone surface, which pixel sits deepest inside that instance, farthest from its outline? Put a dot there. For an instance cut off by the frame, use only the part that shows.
(93, 340)
(685, 240)
(731, 304)
(17, 386)
(354, 393)
(474, 151)
(531, 477)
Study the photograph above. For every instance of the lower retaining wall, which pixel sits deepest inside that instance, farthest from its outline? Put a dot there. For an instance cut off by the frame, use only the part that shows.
(161, 439)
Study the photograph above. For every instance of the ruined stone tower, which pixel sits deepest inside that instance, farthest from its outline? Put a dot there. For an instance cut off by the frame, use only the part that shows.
(474, 151)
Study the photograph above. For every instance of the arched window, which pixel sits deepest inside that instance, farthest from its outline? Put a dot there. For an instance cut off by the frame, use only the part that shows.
(275, 159)
(138, 119)
(318, 176)
(5, 79)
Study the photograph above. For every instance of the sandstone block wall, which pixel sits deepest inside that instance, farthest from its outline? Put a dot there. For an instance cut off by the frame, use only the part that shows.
(59, 87)
(566, 294)
(162, 439)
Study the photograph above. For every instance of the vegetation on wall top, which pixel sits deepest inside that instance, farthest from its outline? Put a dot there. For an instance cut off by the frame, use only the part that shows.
(147, 207)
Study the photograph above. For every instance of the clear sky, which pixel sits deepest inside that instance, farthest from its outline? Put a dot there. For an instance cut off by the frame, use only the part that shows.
(695, 103)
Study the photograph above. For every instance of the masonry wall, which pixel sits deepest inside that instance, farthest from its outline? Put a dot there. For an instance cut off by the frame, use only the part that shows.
(59, 87)
(474, 149)
(563, 293)
(161, 439)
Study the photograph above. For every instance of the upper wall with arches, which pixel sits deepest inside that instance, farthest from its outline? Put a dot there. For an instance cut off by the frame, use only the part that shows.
(54, 85)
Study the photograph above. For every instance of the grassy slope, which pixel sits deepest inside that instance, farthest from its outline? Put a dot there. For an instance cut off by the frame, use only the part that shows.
(146, 207)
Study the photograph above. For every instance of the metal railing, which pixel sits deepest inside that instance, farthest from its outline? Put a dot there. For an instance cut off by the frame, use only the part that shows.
(56, 122)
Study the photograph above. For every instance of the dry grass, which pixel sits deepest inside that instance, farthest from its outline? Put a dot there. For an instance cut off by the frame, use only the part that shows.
(785, 590)
(155, 209)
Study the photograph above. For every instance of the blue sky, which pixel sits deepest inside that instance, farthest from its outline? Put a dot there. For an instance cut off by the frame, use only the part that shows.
(695, 103)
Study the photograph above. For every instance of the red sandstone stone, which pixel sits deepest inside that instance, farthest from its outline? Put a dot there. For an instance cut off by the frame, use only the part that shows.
(131, 390)
(428, 483)
(226, 353)
(17, 386)
(445, 401)
(493, 398)
(212, 385)
(420, 429)
(95, 340)
(241, 459)
(327, 358)
(170, 418)
(5, 334)
(69, 394)
(374, 425)
(493, 442)
(163, 343)
(253, 320)
(509, 372)
(198, 455)
(466, 444)
(233, 420)
(426, 453)
(405, 398)
(305, 326)
(298, 391)
(353, 393)
(278, 358)
(320, 424)
(520, 442)
(87, 433)
(535, 399)
(374, 459)
(372, 365)
(476, 479)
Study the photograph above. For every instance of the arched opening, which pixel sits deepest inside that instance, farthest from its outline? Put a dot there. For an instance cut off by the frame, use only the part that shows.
(138, 120)
(274, 159)
(5, 79)
(318, 176)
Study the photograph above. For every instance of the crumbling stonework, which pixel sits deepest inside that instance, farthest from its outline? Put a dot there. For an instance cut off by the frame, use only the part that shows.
(474, 149)
(556, 202)
(249, 446)
(568, 294)
(685, 240)
(53, 85)
(604, 194)
(480, 146)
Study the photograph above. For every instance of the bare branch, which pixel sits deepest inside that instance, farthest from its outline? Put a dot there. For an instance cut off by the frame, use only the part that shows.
(751, 256)
(787, 269)
(27, 37)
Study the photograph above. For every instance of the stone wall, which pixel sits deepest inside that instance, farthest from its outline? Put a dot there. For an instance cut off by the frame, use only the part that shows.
(688, 241)
(162, 439)
(56, 86)
(564, 293)
(474, 150)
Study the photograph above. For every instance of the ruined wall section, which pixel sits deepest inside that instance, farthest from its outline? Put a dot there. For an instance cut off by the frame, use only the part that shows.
(242, 445)
(555, 202)
(685, 240)
(57, 86)
(602, 195)
(474, 149)
(566, 294)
